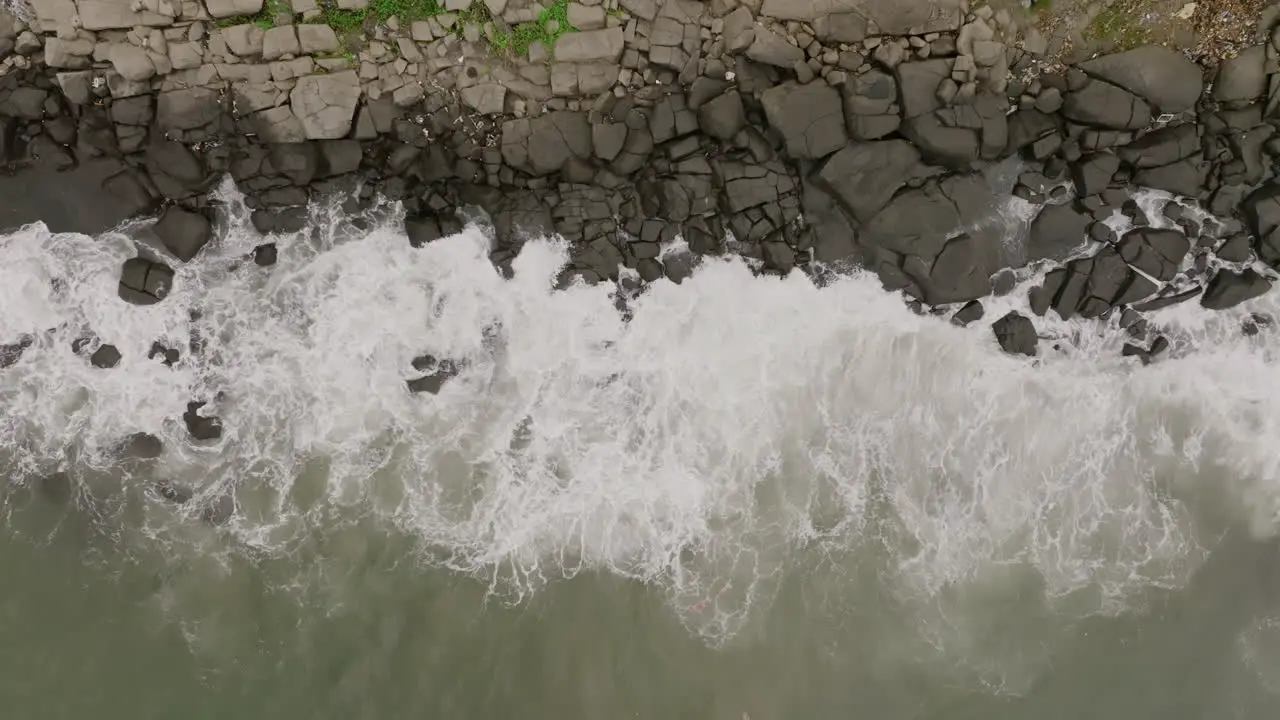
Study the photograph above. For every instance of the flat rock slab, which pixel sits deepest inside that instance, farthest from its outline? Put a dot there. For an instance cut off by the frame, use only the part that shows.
(326, 104)
(809, 117)
(118, 14)
(591, 46)
(881, 17)
(865, 176)
(66, 201)
(1162, 77)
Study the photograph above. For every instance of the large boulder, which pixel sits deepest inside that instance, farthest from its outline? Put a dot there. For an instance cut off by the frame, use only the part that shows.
(232, 8)
(1229, 288)
(1163, 146)
(1163, 77)
(143, 282)
(183, 232)
(1243, 78)
(1155, 251)
(920, 221)
(326, 104)
(1016, 334)
(809, 117)
(1105, 105)
(1056, 232)
(542, 145)
(865, 176)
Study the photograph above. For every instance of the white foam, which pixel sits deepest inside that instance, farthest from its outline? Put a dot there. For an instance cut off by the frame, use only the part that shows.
(736, 427)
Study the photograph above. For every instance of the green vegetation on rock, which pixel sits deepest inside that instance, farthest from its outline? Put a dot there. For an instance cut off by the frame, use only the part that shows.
(1119, 25)
(550, 25)
(265, 18)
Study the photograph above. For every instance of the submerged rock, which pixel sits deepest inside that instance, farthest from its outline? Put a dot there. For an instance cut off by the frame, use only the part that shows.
(176, 493)
(105, 357)
(200, 427)
(12, 352)
(1228, 289)
(141, 446)
(438, 372)
(220, 510)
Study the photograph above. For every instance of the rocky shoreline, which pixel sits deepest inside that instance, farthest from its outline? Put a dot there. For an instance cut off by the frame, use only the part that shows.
(791, 132)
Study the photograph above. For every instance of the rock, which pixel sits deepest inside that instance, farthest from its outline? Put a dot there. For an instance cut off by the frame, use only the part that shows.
(722, 117)
(27, 103)
(1056, 232)
(1229, 288)
(771, 48)
(140, 446)
(185, 56)
(591, 46)
(183, 232)
(232, 8)
(187, 108)
(1163, 146)
(326, 104)
(1242, 79)
(433, 381)
(317, 39)
(918, 83)
(1185, 177)
(543, 145)
(265, 255)
(485, 98)
(971, 312)
(338, 157)
(585, 17)
(244, 40)
(168, 356)
(143, 282)
(77, 86)
(1156, 252)
(864, 177)
(1016, 334)
(200, 427)
(132, 62)
(1105, 105)
(278, 125)
(221, 509)
(10, 353)
(279, 42)
(105, 357)
(1093, 173)
(1162, 77)
(175, 171)
(809, 117)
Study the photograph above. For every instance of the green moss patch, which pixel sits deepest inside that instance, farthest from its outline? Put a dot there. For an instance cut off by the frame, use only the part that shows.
(1120, 25)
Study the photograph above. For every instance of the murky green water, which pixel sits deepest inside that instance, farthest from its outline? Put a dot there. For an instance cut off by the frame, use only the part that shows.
(87, 631)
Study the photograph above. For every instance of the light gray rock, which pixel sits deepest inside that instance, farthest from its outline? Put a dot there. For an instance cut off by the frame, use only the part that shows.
(594, 45)
(421, 31)
(280, 41)
(232, 8)
(596, 78)
(77, 86)
(739, 30)
(184, 56)
(1163, 77)
(486, 98)
(586, 17)
(326, 104)
(1241, 79)
(771, 48)
(317, 39)
(132, 62)
(244, 40)
(70, 54)
(118, 14)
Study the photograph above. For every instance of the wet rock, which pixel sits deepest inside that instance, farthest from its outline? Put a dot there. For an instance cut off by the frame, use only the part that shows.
(971, 312)
(105, 357)
(200, 427)
(143, 282)
(1156, 252)
(1163, 146)
(438, 372)
(141, 446)
(265, 255)
(220, 510)
(176, 493)
(1242, 79)
(1255, 323)
(1016, 334)
(183, 232)
(1164, 301)
(176, 172)
(864, 177)
(1056, 232)
(1229, 288)
(169, 356)
(11, 353)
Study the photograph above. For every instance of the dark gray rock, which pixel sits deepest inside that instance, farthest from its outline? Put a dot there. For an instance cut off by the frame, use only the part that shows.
(919, 221)
(129, 194)
(265, 255)
(10, 353)
(918, 85)
(105, 357)
(1185, 177)
(141, 446)
(1163, 146)
(200, 427)
(1016, 334)
(810, 118)
(300, 162)
(176, 172)
(1155, 251)
(960, 272)
(286, 220)
(1229, 288)
(865, 176)
(722, 117)
(143, 282)
(1242, 79)
(440, 372)
(1093, 173)
(168, 356)
(183, 232)
(1161, 76)
(1105, 105)
(1170, 299)
(1056, 231)
(543, 145)
(422, 230)
(971, 312)
(1261, 210)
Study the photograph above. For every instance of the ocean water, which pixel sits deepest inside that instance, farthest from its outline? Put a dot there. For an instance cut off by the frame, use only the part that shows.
(754, 497)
